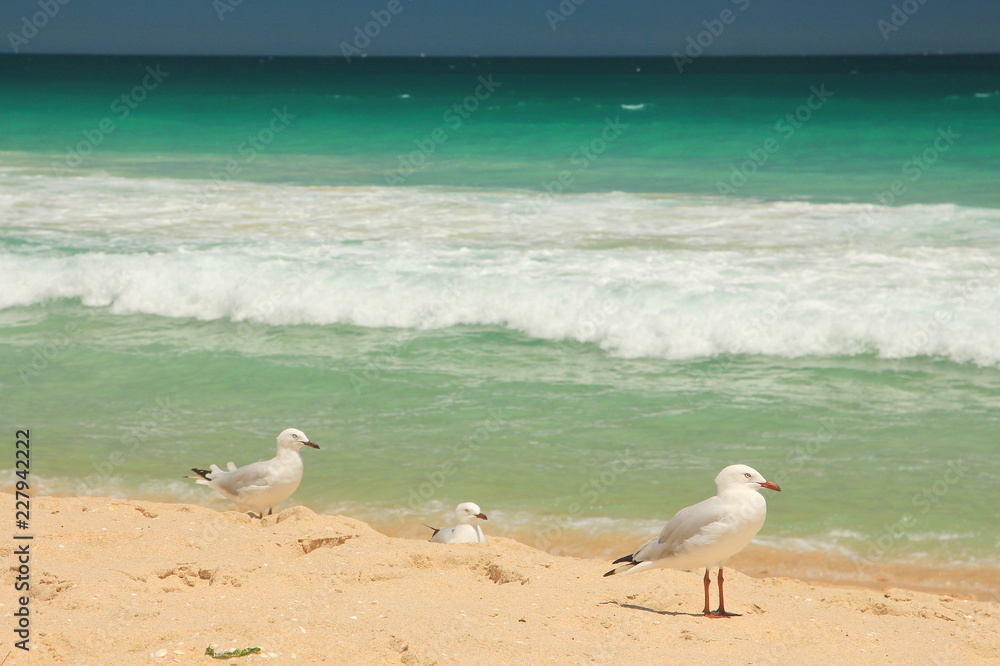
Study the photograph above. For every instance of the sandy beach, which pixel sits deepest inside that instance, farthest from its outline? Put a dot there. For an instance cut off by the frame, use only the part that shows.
(570, 289)
(135, 582)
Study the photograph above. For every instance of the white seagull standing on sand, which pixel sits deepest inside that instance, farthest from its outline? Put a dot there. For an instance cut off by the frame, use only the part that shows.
(263, 484)
(708, 533)
(467, 531)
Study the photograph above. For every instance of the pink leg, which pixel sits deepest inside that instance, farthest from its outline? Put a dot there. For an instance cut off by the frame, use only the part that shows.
(721, 612)
(708, 583)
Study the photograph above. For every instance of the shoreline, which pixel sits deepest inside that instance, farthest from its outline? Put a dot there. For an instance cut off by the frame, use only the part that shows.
(977, 583)
(758, 561)
(171, 579)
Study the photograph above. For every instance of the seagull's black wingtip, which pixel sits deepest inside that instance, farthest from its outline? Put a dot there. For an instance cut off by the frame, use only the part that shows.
(203, 473)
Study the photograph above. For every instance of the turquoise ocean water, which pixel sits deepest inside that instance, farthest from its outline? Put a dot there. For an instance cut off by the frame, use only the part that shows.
(569, 290)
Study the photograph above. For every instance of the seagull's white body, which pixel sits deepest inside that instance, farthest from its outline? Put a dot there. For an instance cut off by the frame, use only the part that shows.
(261, 485)
(708, 533)
(705, 534)
(468, 515)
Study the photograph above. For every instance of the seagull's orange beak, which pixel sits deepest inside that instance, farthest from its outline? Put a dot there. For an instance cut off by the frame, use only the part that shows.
(312, 444)
(772, 486)
(482, 515)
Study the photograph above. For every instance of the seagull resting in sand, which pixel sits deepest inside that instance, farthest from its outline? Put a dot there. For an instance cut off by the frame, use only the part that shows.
(467, 531)
(708, 533)
(263, 484)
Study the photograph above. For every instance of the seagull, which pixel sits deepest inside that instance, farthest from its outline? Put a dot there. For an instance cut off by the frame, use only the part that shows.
(466, 513)
(708, 533)
(263, 484)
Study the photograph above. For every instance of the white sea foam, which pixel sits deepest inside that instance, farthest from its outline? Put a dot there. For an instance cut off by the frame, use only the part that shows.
(638, 276)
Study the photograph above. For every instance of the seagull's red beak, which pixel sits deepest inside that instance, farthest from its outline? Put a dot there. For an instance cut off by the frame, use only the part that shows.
(482, 515)
(772, 486)
(312, 444)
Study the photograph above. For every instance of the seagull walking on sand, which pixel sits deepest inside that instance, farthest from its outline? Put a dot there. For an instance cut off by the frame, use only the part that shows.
(708, 533)
(467, 514)
(263, 484)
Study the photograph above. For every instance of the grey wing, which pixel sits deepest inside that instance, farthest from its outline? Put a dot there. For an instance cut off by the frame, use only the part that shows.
(242, 479)
(686, 524)
(443, 535)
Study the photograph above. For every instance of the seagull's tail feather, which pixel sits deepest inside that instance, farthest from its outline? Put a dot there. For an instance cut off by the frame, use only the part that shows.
(435, 529)
(206, 476)
(629, 564)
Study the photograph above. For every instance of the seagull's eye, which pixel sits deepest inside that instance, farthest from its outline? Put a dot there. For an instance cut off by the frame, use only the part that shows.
(747, 475)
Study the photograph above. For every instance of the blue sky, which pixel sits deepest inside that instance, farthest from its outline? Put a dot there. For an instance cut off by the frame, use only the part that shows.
(499, 27)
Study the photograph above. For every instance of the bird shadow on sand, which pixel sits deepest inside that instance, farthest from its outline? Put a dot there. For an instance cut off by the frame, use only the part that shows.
(650, 610)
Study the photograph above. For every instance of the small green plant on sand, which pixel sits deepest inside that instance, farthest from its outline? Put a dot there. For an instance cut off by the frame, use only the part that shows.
(232, 653)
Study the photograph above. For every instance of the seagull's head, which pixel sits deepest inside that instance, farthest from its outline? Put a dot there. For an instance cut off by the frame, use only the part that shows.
(294, 439)
(467, 513)
(742, 476)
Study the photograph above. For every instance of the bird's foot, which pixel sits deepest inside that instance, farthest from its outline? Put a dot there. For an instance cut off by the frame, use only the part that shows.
(720, 613)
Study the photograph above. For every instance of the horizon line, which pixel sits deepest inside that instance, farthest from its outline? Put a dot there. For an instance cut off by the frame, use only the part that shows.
(510, 57)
